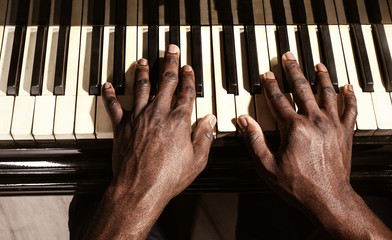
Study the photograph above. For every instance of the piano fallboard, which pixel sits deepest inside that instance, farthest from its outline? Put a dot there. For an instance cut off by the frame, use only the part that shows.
(48, 168)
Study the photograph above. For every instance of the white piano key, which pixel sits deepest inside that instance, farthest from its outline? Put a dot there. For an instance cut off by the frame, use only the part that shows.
(7, 102)
(142, 42)
(341, 71)
(314, 43)
(263, 113)
(1, 37)
(366, 123)
(163, 39)
(103, 126)
(65, 105)
(381, 99)
(275, 59)
(186, 59)
(45, 104)
(131, 48)
(244, 101)
(6, 109)
(85, 104)
(388, 31)
(22, 120)
(225, 103)
(205, 104)
(5, 58)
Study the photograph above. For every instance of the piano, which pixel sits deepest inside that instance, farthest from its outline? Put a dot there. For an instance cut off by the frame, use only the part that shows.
(55, 136)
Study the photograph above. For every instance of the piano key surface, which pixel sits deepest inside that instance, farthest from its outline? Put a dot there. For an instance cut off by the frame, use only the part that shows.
(235, 12)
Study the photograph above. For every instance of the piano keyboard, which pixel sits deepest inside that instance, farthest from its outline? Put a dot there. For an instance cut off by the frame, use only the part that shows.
(56, 54)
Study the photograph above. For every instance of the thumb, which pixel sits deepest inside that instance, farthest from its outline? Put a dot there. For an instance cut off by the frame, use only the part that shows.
(255, 141)
(202, 138)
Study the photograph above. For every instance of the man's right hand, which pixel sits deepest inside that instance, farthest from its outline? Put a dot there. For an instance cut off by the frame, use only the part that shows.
(313, 164)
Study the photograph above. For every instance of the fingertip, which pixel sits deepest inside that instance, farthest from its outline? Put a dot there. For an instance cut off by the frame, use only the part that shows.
(173, 49)
(289, 56)
(349, 88)
(187, 69)
(142, 62)
(211, 120)
(321, 68)
(107, 85)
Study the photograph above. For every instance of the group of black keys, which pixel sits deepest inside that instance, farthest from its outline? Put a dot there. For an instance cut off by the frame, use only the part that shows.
(18, 14)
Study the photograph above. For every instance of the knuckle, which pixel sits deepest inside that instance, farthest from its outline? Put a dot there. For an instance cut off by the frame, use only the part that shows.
(352, 109)
(171, 59)
(112, 101)
(170, 76)
(141, 70)
(292, 66)
(328, 91)
(142, 83)
(188, 92)
(276, 97)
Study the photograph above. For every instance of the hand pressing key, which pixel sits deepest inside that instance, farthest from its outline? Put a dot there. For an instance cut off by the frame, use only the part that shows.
(154, 157)
(312, 166)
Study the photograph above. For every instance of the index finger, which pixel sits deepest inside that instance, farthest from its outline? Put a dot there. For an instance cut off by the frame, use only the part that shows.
(279, 105)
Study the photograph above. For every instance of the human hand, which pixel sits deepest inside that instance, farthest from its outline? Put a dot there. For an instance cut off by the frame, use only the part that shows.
(152, 146)
(314, 158)
(154, 156)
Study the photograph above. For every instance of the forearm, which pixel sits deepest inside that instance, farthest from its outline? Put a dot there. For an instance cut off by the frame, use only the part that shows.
(126, 216)
(348, 217)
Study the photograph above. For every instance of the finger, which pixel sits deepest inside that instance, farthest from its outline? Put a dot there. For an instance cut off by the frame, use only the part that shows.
(326, 95)
(186, 92)
(256, 142)
(169, 79)
(202, 139)
(302, 92)
(350, 107)
(142, 86)
(280, 107)
(112, 105)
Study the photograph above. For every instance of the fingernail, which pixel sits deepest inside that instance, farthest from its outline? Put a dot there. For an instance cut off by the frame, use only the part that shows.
(269, 75)
(212, 121)
(106, 85)
(242, 123)
(290, 56)
(172, 48)
(350, 87)
(321, 68)
(142, 62)
(187, 68)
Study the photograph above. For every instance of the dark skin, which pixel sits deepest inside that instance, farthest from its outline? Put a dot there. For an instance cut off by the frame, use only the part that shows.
(155, 158)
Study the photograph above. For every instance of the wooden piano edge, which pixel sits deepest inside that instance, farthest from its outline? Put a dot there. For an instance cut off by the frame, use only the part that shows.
(53, 168)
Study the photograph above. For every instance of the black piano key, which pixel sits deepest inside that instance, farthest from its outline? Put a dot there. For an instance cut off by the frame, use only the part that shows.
(306, 56)
(44, 12)
(327, 54)
(230, 60)
(96, 61)
(278, 13)
(192, 9)
(16, 60)
(65, 12)
(373, 11)
(96, 12)
(119, 60)
(298, 11)
(351, 10)
(153, 57)
(18, 12)
(283, 47)
(383, 55)
(319, 12)
(174, 35)
(39, 61)
(245, 12)
(361, 58)
(61, 61)
(253, 64)
(197, 60)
